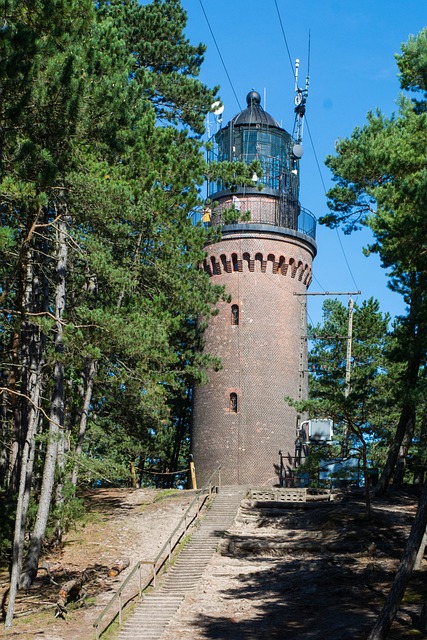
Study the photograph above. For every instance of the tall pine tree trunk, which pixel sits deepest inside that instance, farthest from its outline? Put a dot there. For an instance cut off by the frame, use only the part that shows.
(4, 436)
(420, 469)
(404, 572)
(18, 274)
(34, 346)
(91, 367)
(56, 421)
(405, 425)
(23, 500)
(16, 415)
(400, 468)
(60, 475)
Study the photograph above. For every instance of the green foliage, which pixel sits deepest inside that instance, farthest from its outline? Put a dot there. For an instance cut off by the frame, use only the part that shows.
(65, 514)
(363, 411)
(412, 64)
(381, 175)
(314, 463)
(166, 493)
(233, 215)
(381, 182)
(102, 113)
(328, 359)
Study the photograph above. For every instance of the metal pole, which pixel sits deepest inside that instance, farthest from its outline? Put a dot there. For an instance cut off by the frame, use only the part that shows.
(120, 608)
(154, 575)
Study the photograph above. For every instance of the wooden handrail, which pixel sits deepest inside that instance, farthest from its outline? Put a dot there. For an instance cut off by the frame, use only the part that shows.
(159, 560)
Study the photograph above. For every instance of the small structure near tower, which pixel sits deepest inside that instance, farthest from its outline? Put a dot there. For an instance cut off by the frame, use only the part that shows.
(240, 417)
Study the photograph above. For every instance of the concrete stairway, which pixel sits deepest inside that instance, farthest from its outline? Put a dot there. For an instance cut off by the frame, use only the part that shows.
(156, 610)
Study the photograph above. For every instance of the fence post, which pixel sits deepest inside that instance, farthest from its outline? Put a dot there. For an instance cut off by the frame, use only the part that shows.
(120, 607)
(170, 549)
(154, 575)
(140, 580)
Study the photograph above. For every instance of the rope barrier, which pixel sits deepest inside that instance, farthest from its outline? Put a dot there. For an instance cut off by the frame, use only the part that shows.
(163, 473)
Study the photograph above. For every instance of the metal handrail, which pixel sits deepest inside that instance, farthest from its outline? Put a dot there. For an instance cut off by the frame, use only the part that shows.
(159, 561)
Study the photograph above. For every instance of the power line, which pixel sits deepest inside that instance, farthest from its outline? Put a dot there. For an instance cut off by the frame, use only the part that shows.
(309, 133)
(220, 55)
(318, 282)
(324, 189)
(345, 258)
(284, 38)
(315, 157)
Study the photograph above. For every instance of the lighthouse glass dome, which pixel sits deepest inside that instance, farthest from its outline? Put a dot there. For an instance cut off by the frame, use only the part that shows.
(247, 143)
(254, 135)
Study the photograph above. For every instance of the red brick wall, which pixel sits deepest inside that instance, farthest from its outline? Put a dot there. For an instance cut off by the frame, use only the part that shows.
(260, 357)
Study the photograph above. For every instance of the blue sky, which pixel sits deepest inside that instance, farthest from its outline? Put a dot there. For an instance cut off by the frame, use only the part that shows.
(352, 70)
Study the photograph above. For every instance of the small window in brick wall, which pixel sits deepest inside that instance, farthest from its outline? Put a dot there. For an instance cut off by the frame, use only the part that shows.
(234, 314)
(233, 402)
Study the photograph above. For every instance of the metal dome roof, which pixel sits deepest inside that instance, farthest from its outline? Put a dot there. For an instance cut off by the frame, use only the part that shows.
(254, 114)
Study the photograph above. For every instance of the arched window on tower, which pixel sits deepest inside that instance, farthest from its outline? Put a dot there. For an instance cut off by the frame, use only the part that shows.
(234, 314)
(233, 402)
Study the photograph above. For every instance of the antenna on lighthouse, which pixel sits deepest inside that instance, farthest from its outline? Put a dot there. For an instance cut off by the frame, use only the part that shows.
(300, 101)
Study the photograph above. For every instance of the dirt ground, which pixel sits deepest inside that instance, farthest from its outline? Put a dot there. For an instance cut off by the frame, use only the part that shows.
(123, 523)
(320, 572)
(309, 573)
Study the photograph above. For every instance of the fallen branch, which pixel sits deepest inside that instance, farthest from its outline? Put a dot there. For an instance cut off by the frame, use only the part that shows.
(70, 590)
(120, 565)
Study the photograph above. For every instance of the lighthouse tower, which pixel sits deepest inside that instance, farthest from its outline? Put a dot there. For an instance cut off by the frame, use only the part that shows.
(241, 420)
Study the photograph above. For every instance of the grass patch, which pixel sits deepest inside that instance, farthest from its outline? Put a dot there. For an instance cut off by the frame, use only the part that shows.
(166, 493)
(414, 595)
(31, 621)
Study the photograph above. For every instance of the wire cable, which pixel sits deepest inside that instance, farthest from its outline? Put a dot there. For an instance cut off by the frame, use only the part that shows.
(319, 283)
(311, 139)
(324, 189)
(220, 55)
(284, 38)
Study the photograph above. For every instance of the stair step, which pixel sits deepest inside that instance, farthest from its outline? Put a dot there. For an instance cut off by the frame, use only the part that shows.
(156, 610)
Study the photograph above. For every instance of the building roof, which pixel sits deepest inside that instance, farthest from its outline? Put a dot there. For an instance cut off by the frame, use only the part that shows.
(254, 114)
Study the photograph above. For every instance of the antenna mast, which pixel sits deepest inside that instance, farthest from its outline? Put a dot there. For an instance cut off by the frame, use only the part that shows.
(300, 106)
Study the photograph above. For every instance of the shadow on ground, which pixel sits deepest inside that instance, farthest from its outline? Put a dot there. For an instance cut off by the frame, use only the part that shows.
(324, 596)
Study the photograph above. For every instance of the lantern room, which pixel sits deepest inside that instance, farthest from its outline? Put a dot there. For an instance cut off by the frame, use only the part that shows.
(273, 197)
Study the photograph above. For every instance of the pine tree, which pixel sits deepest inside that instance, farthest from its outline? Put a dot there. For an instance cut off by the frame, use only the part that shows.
(100, 166)
(356, 399)
(381, 179)
(101, 162)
